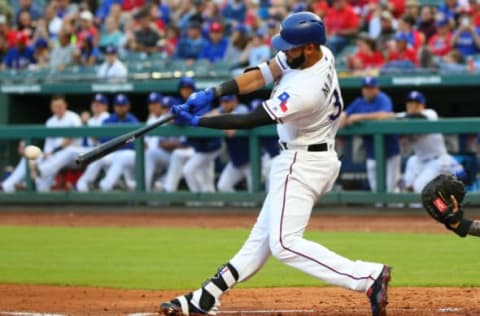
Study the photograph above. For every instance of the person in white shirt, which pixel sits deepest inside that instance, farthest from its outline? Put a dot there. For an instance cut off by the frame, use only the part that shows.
(430, 157)
(66, 157)
(62, 117)
(112, 70)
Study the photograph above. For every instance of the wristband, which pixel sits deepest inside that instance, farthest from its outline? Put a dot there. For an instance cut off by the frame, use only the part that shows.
(266, 73)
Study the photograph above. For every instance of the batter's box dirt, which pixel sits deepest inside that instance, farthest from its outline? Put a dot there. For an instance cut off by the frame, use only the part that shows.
(79, 301)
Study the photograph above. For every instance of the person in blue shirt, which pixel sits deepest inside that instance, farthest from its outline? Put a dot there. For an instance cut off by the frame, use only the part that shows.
(118, 163)
(217, 44)
(467, 36)
(191, 45)
(235, 10)
(375, 105)
(21, 56)
(238, 168)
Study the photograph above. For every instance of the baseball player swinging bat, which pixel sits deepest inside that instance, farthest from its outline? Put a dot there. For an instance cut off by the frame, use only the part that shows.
(110, 146)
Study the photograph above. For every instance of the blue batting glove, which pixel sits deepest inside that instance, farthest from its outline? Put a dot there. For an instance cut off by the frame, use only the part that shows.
(183, 117)
(200, 102)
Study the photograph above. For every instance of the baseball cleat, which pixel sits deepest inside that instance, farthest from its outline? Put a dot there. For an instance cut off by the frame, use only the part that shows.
(180, 306)
(377, 293)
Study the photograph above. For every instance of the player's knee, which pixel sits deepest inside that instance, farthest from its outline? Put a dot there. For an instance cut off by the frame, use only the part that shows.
(223, 186)
(281, 248)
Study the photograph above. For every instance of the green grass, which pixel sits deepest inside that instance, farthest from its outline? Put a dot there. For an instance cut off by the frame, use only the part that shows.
(160, 258)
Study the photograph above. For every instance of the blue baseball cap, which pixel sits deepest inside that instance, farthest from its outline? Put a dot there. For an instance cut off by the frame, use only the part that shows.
(442, 22)
(41, 43)
(401, 37)
(241, 28)
(100, 98)
(121, 99)
(186, 82)
(228, 97)
(169, 101)
(110, 49)
(416, 96)
(155, 97)
(369, 82)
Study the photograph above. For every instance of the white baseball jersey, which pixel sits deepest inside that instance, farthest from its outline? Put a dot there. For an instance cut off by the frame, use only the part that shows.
(95, 121)
(69, 119)
(115, 71)
(306, 102)
(427, 146)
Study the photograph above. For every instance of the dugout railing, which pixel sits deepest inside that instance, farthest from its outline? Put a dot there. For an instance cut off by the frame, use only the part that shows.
(379, 129)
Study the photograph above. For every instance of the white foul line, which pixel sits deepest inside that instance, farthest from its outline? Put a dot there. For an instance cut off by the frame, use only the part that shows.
(28, 314)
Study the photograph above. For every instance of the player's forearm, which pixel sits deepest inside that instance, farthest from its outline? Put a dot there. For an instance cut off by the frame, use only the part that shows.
(237, 121)
(250, 81)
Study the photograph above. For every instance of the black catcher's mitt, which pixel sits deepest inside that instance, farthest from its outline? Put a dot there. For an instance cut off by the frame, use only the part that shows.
(437, 202)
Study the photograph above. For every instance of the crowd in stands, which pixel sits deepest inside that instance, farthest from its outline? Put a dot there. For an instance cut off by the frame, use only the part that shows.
(386, 34)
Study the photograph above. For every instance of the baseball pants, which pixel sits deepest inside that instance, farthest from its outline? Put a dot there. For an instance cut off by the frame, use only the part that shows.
(17, 176)
(155, 158)
(123, 164)
(175, 168)
(392, 173)
(297, 180)
(199, 171)
(232, 175)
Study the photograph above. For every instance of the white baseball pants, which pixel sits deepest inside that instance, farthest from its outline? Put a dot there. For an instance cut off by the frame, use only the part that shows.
(199, 171)
(175, 168)
(297, 180)
(17, 176)
(392, 173)
(155, 158)
(123, 163)
(232, 175)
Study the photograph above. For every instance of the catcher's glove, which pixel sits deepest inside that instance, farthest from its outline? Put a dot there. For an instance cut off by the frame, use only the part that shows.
(437, 201)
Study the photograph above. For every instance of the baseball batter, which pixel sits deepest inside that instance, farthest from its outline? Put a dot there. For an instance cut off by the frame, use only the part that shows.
(430, 156)
(305, 104)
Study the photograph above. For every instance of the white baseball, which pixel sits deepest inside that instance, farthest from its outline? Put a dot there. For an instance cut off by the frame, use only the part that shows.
(32, 152)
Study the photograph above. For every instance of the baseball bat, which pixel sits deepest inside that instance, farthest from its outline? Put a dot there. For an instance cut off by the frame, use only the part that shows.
(117, 142)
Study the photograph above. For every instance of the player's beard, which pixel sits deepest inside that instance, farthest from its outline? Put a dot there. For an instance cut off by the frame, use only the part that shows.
(296, 62)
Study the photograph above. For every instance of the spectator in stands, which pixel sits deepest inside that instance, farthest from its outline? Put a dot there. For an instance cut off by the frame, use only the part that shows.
(238, 168)
(25, 24)
(111, 36)
(67, 155)
(3, 46)
(406, 25)
(237, 44)
(412, 8)
(171, 40)
(41, 31)
(453, 62)
(20, 56)
(400, 54)
(475, 5)
(6, 31)
(61, 117)
(450, 9)
(216, 46)
(426, 24)
(164, 13)
(466, 38)
(367, 56)
(257, 50)
(440, 43)
(189, 47)
(86, 29)
(28, 6)
(64, 8)
(112, 69)
(235, 10)
(342, 24)
(375, 105)
(63, 52)
(53, 21)
(89, 53)
(119, 162)
(147, 36)
(42, 53)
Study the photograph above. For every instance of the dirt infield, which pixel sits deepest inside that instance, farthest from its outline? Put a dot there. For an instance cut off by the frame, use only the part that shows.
(44, 300)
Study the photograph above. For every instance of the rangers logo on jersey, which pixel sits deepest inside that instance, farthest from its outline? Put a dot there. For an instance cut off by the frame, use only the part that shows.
(283, 101)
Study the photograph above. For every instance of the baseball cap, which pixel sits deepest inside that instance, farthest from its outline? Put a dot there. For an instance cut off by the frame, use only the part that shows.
(155, 97)
(401, 37)
(241, 28)
(100, 98)
(186, 82)
(110, 49)
(416, 96)
(215, 27)
(86, 15)
(442, 22)
(228, 97)
(41, 43)
(121, 99)
(369, 82)
(168, 101)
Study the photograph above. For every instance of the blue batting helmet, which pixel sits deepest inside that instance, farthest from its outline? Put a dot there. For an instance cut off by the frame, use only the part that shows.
(299, 29)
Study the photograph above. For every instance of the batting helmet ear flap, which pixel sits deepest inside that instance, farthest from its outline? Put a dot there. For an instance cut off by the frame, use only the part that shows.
(299, 29)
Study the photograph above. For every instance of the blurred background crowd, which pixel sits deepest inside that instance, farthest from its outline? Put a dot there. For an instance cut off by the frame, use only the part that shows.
(367, 36)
